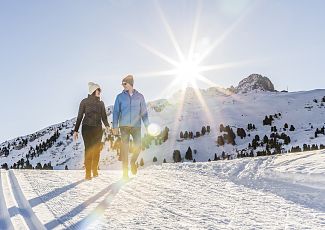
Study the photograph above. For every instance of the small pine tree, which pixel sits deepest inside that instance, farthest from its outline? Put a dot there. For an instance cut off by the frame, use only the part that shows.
(257, 137)
(66, 167)
(188, 155)
(220, 141)
(265, 139)
(177, 156)
(38, 166)
(49, 166)
(164, 161)
(221, 128)
(141, 162)
(203, 130)
(287, 140)
(223, 155)
(154, 159)
(194, 161)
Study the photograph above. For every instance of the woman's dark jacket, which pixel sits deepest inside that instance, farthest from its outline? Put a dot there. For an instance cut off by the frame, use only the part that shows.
(94, 110)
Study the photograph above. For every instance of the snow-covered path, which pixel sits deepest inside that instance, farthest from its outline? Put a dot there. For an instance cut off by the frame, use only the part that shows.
(238, 194)
(15, 209)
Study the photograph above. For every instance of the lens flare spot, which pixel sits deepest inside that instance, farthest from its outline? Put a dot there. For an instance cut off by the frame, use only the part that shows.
(154, 129)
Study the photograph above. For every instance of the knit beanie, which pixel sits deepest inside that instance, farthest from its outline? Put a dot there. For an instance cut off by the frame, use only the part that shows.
(93, 87)
(128, 79)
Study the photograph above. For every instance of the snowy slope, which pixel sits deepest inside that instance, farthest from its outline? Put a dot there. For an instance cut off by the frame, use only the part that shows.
(211, 108)
(274, 192)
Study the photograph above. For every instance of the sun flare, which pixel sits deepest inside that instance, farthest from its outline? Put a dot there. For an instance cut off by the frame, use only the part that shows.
(187, 68)
(187, 72)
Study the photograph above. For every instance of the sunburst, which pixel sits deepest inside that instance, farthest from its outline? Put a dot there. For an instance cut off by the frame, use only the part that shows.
(187, 69)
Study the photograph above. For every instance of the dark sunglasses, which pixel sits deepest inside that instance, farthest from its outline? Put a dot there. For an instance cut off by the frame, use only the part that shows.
(124, 83)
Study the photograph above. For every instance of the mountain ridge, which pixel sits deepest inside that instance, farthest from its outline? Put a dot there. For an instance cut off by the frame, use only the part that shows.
(235, 110)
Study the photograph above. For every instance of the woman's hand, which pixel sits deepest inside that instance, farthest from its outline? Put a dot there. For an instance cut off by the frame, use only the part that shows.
(107, 130)
(75, 136)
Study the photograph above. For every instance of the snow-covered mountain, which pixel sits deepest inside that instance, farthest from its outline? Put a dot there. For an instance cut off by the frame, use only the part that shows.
(297, 118)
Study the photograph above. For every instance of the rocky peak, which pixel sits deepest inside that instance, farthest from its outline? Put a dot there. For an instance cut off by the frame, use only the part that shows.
(255, 82)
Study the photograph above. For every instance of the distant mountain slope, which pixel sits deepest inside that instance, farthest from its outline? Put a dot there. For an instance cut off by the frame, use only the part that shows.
(304, 111)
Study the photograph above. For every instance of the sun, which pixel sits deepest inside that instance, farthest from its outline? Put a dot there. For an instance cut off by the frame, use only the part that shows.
(187, 68)
(187, 72)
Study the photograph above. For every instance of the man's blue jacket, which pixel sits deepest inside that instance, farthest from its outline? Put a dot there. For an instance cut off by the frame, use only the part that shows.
(130, 110)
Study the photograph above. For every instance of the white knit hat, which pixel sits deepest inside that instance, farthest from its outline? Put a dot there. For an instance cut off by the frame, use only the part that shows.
(92, 87)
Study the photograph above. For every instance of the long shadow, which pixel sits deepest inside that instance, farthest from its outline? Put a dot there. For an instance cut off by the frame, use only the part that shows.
(101, 207)
(46, 197)
(115, 187)
(56, 192)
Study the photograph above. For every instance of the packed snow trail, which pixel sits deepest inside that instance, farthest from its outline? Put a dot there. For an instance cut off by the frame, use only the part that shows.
(20, 215)
(16, 210)
(5, 222)
(237, 194)
(24, 207)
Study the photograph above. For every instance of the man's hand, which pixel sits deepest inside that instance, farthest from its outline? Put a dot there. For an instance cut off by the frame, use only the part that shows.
(75, 136)
(115, 131)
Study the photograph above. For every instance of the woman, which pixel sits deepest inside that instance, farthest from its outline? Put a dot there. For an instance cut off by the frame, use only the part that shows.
(91, 112)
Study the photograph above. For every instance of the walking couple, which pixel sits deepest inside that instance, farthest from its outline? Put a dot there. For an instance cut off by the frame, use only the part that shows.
(129, 110)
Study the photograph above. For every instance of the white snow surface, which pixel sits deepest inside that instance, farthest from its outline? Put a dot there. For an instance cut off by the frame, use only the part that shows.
(274, 192)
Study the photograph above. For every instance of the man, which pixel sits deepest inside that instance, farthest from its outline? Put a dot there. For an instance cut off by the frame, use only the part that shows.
(129, 109)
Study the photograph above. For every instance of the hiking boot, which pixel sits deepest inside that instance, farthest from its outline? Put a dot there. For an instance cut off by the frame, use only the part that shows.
(95, 171)
(87, 177)
(126, 177)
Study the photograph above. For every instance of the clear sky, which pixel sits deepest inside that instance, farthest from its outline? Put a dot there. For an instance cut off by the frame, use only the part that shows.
(49, 50)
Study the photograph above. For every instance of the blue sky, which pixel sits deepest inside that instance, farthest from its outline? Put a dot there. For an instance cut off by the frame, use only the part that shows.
(49, 50)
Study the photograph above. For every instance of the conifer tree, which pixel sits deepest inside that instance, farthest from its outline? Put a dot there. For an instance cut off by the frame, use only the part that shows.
(154, 159)
(141, 162)
(188, 154)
